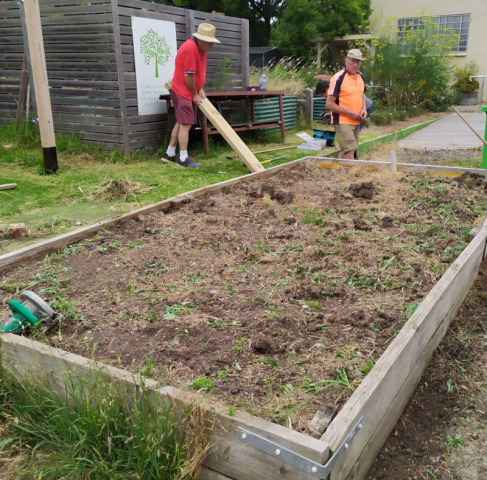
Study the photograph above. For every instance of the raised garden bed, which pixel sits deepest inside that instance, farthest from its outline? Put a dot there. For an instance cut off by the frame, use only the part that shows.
(278, 296)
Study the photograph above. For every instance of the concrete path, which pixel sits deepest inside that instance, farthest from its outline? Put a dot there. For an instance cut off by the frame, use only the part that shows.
(449, 132)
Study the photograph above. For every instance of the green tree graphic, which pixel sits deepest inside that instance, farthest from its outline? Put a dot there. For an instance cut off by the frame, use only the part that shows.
(152, 45)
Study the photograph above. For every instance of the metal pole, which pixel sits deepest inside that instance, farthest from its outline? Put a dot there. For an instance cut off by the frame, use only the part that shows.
(41, 85)
(484, 153)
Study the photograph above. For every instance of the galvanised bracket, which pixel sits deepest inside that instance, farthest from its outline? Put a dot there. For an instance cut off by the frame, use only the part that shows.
(305, 464)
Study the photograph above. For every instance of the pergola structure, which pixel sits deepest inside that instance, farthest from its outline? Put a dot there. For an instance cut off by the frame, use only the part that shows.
(341, 43)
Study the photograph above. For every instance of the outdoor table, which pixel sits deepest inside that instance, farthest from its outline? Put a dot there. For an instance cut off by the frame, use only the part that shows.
(250, 97)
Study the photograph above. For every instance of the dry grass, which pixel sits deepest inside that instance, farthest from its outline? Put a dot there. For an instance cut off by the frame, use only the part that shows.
(119, 189)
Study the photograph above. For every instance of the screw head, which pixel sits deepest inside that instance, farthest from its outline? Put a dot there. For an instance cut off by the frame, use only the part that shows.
(244, 436)
(314, 469)
(278, 452)
(346, 446)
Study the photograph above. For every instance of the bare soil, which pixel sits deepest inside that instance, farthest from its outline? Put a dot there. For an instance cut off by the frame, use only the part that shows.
(276, 296)
(442, 433)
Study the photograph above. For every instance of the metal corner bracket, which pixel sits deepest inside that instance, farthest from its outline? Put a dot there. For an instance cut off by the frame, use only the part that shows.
(302, 463)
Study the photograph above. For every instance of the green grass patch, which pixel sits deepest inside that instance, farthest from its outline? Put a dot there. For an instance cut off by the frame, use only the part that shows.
(106, 432)
(464, 163)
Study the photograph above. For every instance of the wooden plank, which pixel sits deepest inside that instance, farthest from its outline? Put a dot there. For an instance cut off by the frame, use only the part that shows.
(385, 391)
(10, 4)
(109, 85)
(22, 255)
(89, 57)
(127, 13)
(79, 9)
(77, 29)
(83, 38)
(142, 127)
(8, 186)
(85, 127)
(135, 119)
(23, 357)
(150, 143)
(84, 66)
(209, 474)
(121, 91)
(88, 92)
(51, 3)
(100, 137)
(77, 19)
(80, 47)
(91, 119)
(88, 101)
(72, 109)
(210, 17)
(230, 136)
(155, 7)
(431, 169)
(82, 75)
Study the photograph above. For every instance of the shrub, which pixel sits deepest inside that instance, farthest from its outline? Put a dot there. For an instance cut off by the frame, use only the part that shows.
(413, 70)
(462, 76)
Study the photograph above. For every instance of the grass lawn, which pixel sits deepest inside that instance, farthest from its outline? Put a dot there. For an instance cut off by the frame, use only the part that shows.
(79, 193)
(74, 196)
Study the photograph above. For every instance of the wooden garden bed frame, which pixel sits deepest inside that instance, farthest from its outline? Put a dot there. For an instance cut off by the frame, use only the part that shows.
(379, 399)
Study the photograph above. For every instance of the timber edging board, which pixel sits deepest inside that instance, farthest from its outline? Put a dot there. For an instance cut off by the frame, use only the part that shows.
(380, 398)
(23, 358)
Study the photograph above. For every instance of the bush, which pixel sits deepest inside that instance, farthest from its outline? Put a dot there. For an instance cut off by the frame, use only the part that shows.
(462, 76)
(413, 70)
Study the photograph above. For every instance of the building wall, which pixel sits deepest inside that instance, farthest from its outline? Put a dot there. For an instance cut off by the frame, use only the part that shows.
(385, 10)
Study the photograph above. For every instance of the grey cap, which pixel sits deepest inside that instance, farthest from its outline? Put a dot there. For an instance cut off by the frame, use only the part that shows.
(355, 53)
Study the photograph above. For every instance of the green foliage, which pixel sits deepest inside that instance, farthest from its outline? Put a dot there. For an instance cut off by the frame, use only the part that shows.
(105, 432)
(221, 75)
(202, 383)
(413, 70)
(462, 76)
(302, 21)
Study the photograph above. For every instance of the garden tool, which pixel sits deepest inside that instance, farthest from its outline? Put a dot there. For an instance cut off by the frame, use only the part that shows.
(28, 314)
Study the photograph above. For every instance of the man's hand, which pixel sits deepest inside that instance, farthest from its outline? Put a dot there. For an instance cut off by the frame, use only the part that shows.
(363, 114)
(197, 99)
(356, 116)
(202, 94)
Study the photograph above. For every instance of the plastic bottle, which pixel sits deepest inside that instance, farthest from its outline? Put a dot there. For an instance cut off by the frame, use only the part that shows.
(263, 82)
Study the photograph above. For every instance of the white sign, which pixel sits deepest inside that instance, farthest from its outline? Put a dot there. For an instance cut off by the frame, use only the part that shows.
(155, 49)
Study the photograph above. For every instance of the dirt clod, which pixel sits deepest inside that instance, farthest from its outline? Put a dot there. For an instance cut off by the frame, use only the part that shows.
(361, 224)
(362, 190)
(260, 344)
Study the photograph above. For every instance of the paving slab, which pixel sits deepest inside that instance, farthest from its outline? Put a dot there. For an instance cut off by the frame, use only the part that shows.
(449, 132)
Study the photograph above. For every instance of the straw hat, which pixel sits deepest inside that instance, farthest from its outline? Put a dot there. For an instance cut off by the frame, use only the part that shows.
(355, 53)
(206, 33)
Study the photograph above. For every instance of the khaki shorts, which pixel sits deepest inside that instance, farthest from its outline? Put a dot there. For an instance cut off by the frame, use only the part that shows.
(347, 136)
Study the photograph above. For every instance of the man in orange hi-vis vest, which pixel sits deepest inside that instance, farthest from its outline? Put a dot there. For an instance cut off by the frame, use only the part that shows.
(347, 103)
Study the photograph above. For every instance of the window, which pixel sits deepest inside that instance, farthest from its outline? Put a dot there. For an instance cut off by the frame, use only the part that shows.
(459, 24)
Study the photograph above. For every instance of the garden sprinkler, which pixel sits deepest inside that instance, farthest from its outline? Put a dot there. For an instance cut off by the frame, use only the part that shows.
(28, 314)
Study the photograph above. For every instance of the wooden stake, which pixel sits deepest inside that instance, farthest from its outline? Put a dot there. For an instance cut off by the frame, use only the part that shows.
(24, 91)
(230, 136)
(39, 72)
(470, 126)
(8, 186)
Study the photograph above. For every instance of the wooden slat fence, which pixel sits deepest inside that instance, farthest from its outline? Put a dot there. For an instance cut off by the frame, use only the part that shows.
(91, 68)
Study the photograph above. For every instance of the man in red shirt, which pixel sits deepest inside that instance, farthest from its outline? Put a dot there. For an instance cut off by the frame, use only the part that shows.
(347, 103)
(187, 91)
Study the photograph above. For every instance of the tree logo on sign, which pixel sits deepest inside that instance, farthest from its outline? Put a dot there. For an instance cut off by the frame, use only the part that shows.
(152, 45)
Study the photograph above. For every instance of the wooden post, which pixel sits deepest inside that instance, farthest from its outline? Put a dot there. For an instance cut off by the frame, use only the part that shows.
(309, 106)
(24, 90)
(121, 79)
(31, 99)
(39, 71)
(245, 54)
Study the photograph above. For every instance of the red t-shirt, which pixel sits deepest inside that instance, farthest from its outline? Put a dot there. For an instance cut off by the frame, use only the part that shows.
(189, 59)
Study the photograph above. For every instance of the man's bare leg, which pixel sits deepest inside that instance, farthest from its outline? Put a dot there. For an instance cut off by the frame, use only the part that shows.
(183, 136)
(174, 135)
(347, 155)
